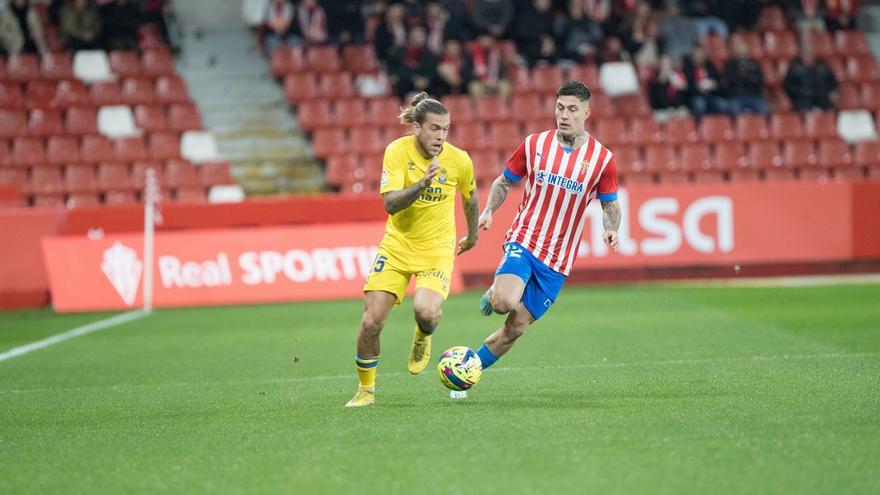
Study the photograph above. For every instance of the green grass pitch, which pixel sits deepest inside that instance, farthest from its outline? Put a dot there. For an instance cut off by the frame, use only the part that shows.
(627, 389)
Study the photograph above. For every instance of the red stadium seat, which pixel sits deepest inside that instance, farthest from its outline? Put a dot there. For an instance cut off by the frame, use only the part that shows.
(12, 123)
(366, 139)
(786, 125)
(2, 68)
(189, 194)
(81, 120)
(472, 137)
(730, 156)
(546, 79)
(338, 167)
(764, 155)
(629, 160)
(716, 49)
(520, 79)
(661, 158)
(45, 123)
(632, 106)
(493, 109)
(848, 97)
(645, 130)
(351, 112)
(870, 96)
(150, 118)
(11, 96)
(524, 106)
(487, 166)
(681, 130)
(96, 149)
(80, 179)
(780, 45)
(772, 18)
(46, 180)
(125, 64)
(329, 141)
(337, 85)
(779, 100)
(155, 63)
(112, 176)
(56, 66)
(835, 153)
(696, 157)
(62, 150)
(39, 94)
(288, 60)
(184, 117)
(138, 173)
(601, 106)
(181, 173)
(23, 68)
(171, 89)
(772, 72)
(323, 59)
(821, 42)
(163, 146)
(752, 128)
(715, 128)
(105, 93)
(504, 136)
(129, 149)
(28, 151)
(313, 114)
(461, 108)
(610, 131)
(81, 200)
(386, 110)
(851, 43)
(215, 174)
(867, 153)
(360, 59)
(69, 93)
(862, 69)
(5, 154)
(837, 66)
(588, 74)
(820, 125)
(137, 90)
(16, 177)
(752, 41)
(798, 154)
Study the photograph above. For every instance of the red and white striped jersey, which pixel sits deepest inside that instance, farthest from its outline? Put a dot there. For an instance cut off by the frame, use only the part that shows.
(560, 182)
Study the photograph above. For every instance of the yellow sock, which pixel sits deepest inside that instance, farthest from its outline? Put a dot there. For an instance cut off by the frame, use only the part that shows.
(366, 367)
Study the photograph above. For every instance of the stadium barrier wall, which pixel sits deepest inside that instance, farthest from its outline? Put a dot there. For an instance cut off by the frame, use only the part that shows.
(714, 230)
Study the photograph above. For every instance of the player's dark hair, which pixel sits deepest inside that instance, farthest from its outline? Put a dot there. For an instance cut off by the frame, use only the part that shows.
(574, 88)
(419, 108)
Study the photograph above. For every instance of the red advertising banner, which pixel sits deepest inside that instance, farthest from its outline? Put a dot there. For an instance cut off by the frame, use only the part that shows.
(212, 267)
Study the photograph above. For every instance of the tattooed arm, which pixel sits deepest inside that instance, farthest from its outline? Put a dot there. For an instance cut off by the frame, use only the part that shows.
(396, 201)
(611, 222)
(497, 195)
(471, 213)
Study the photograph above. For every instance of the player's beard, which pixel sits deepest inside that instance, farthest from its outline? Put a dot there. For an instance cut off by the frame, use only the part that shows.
(429, 148)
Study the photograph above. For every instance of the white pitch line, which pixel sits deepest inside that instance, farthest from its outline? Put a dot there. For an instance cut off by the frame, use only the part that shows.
(70, 334)
(503, 369)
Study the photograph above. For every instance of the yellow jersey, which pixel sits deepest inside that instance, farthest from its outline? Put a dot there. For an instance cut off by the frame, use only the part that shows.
(427, 227)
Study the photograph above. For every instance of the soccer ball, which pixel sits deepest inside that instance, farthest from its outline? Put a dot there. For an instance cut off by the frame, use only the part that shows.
(459, 368)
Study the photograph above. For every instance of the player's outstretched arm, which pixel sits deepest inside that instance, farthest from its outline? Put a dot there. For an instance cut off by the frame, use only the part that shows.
(497, 195)
(611, 222)
(471, 213)
(396, 201)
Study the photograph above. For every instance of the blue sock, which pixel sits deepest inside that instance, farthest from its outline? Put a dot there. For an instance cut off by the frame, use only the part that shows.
(486, 356)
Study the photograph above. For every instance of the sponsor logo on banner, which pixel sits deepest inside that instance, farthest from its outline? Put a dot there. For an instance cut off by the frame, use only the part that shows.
(123, 269)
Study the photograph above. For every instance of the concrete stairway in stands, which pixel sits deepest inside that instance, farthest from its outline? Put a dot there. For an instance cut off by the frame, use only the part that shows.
(245, 109)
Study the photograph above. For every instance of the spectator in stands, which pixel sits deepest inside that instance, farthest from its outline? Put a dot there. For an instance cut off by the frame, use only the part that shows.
(744, 82)
(490, 68)
(30, 26)
(458, 24)
(391, 32)
(493, 16)
(413, 67)
(668, 89)
(11, 37)
(80, 25)
(809, 82)
(456, 70)
(639, 35)
(121, 20)
(579, 35)
(312, 22)
(279, 26)
(436, 20)
(806, 16)
(344, 22)
(598, 11)
(701, 11)
(678, 33)
(704, 85)
(736, 14)
(530, 30)
(841, 14)
(161, 13)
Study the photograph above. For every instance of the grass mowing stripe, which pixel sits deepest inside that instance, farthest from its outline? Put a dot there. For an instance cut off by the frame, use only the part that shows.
(70, 334)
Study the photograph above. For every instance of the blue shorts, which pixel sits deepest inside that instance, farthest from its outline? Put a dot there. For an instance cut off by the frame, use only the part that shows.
(542, 282)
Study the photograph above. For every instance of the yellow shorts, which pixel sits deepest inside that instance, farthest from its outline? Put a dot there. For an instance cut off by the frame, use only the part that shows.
(392, 274)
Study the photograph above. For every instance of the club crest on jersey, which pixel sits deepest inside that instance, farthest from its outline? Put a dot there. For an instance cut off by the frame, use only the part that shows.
(442, 177)
(570, 185)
